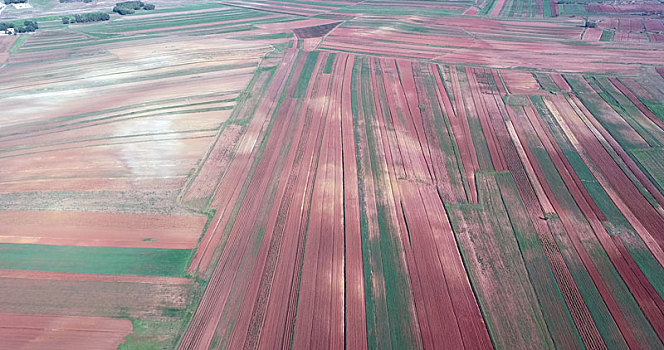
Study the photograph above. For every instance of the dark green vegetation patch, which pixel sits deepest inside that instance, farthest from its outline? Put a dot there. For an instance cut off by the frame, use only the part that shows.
(98, 260)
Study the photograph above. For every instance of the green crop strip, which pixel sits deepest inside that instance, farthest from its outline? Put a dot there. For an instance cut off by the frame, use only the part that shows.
(329, 63)
(607, 35)
(591, 244)
(374, 337)
(98, 260)
(546, 7)
(18, 43)
(305, 77)
(397, 284)
(554, 309)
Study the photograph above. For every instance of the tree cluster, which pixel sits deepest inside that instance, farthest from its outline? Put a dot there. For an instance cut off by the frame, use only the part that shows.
(28, 26)
(129, 7)
(15, 1)
(86, 17)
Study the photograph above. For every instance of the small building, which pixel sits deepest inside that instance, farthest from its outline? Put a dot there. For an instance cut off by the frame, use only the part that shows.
(20, 6)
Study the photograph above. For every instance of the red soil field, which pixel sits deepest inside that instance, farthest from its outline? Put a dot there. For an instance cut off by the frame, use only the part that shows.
(65, 276)
(309, 22)
(471, 11)
(203, 326)
(282, 7)
(111, 184)
(104, 161)
(473, 41)
(410, 163)
(554, 8)
(208, 24)
(569, 224)
(62, 332)
(641, 7)
(122, 298)
(215, 163)
(560, 82)
(654, 25)
(321, 279)
(592, 34)
(95, 154)
(609, 23)
(530, 195)
(520, 83)
(497, 7)
(638, 287)
(635, 100)
(100, 229)
(6, 42)
(238, 169)
(656, 37)
(365, 177)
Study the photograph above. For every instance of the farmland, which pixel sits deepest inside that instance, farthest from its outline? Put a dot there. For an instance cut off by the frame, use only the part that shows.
(334, 174)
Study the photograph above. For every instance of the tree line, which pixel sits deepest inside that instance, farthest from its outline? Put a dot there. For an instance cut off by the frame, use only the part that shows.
(86, 17)
(7, 2)
(28, 26)
(86, 1)
(129, 7)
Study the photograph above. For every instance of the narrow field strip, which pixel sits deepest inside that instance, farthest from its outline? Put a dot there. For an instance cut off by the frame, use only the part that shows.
(99, 260)
(91, 277)
(100, 229)
(62, 332)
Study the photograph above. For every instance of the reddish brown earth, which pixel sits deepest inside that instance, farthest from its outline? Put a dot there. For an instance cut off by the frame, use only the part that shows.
(497, 7)
(192, 26)
(100, 229)
(111, 184)
(62, 332)
(6, 42)
(631, 7)
(520, 83)
(322, 281)
(65, 276)
(72, 297)
(592, 34)
(436, 178)
(473, 41)
(305, 23)
(96, 144)
(471, 11)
